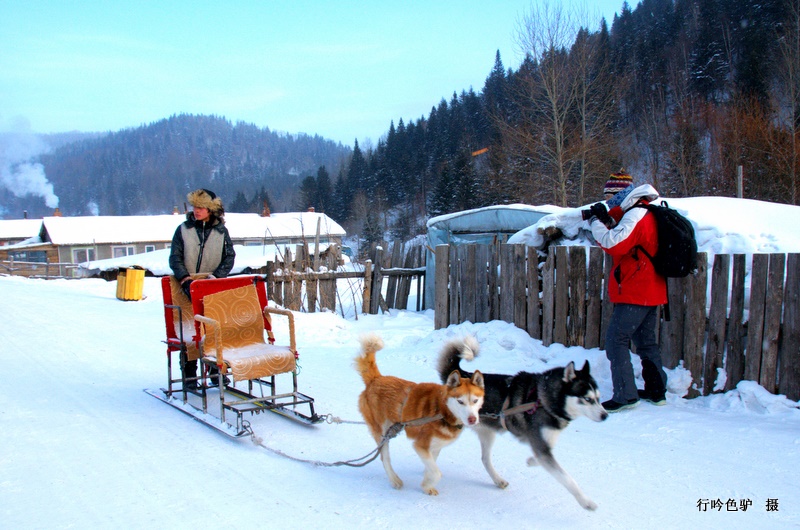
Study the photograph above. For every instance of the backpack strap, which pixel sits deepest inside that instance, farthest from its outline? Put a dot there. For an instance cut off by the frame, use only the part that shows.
(647, 207)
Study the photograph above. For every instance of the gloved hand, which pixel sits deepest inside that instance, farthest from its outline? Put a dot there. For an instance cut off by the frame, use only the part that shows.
(599, 210)
(185, 287)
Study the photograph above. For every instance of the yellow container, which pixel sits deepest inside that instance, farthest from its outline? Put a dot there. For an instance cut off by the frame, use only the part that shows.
(130, 283)
(121, 280)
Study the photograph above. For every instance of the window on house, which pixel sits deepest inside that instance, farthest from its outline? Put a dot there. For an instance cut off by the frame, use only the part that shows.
(149, 248)
(121, 252)
(79, 255)
(29, 256)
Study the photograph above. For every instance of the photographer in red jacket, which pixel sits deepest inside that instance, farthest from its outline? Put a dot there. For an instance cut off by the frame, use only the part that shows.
(635, 289)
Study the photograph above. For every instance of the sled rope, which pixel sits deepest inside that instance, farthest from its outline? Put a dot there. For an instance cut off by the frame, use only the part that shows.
(330, 418)
(390, 433)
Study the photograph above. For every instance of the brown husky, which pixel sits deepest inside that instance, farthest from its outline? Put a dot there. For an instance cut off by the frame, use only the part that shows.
(443, 410)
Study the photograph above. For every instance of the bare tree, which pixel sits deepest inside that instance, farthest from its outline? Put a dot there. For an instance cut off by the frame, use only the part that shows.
(789, 102)
(595, 112)
(560, 133)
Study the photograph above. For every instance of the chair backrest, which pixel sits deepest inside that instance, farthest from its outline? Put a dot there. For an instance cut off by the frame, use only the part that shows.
(166, 294)
(176, 321)
(240, 318)
(203, 288)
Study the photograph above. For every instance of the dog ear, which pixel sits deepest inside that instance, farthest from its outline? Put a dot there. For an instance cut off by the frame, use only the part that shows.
(586, 368)
(569, 372)
(454, 379)
(477, 379)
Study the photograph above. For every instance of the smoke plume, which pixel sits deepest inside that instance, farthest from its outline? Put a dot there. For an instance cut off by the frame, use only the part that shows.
(18, 173)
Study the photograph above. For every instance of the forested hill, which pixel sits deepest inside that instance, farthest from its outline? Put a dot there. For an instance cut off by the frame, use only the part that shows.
(150, 169)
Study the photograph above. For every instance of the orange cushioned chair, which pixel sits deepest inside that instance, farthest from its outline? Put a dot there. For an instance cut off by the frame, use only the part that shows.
(234, 316)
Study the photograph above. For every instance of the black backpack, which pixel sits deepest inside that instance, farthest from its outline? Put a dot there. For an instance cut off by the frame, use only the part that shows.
(676, 256)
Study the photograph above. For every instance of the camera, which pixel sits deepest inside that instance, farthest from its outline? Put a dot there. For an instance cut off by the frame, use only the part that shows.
(586, 215)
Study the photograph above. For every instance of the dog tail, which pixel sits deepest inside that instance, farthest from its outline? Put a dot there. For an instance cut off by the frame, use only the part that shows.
(466, 348)
(365, 363)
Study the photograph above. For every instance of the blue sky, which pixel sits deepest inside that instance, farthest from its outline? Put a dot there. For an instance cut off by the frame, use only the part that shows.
(341, 69)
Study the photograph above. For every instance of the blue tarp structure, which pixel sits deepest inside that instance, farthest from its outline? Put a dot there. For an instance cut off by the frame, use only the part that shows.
(482, 225)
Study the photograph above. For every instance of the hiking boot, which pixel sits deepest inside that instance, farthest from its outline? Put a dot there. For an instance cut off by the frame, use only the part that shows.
(613, 406)
(213, 381)
(660, 399)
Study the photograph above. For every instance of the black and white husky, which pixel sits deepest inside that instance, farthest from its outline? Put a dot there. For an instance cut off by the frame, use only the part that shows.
(533, 407)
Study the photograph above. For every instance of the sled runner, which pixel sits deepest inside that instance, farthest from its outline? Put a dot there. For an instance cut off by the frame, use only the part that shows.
(223, 326)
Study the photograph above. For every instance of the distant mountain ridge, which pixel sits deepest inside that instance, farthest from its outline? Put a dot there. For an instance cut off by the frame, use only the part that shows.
(151, 168)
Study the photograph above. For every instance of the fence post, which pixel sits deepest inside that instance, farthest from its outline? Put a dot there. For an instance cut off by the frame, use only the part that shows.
(768, 375)
(594, 295)
(755, 324)
(366, 302)
(441, 317)
(482, 253)
(455, 286)
(734, 364)
(789, 376)
(695, 323)
(607, 307)
(576, 331)
(671, 338)
(518, 285)
(494, 291)
(391, 288)
(715, 339)
(561, 296)
(534, 324)
(469, 284)
(548, 293)
(377, 281)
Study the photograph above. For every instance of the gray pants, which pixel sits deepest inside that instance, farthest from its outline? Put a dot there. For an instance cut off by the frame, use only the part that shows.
(638, 324)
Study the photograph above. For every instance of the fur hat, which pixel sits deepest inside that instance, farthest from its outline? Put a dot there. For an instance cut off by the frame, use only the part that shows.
(617, 182)
(204, 198)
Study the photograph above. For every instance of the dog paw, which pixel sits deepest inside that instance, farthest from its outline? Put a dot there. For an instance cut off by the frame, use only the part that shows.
(500, 483)
(532, 462)
(397, 484)
(431, 491)
(588, 504)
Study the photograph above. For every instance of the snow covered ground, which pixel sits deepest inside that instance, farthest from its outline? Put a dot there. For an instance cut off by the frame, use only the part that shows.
(82, 446)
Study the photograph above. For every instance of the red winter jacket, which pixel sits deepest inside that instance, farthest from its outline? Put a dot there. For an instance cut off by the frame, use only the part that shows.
(633, 278)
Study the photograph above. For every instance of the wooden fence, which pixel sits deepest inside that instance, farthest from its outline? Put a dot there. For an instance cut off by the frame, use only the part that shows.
(399, 271)
(300, 284)
(37, 270)
(748, 326)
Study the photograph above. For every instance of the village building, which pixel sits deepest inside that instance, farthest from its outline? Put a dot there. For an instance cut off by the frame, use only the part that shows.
(75, 240)
(15, 231)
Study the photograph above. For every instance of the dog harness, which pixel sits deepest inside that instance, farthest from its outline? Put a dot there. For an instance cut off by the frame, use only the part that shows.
(530, 407)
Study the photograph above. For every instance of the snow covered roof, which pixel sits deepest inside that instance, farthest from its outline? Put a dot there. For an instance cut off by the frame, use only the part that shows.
(502, 218)
(19, 228)
(281, 225)
(102, 229)
(148, 228)
(157, 262)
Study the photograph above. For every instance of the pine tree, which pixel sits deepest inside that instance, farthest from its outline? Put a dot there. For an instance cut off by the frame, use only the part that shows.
(324, 198)
(307, 197)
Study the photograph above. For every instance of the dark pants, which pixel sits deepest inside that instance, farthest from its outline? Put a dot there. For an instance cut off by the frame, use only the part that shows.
(638, 324)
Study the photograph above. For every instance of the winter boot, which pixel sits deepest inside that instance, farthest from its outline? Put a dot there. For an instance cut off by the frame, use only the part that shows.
(213, 377)
(190, 375)
(654, 389)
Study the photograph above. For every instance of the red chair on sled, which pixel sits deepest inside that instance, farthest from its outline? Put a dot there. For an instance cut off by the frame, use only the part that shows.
(180, 327)
(229, 319)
